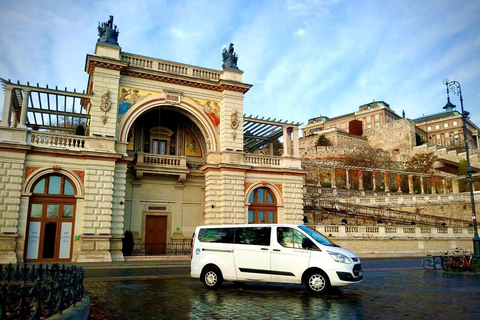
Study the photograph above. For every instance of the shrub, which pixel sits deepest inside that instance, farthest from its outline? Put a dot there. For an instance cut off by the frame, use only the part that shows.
(127, 243)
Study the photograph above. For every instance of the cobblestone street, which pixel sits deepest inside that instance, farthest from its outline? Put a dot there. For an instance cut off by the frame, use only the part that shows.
(386, 293)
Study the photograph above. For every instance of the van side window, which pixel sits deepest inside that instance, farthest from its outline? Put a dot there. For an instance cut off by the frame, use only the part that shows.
(291, 238)
(253, 236)
(216, 235)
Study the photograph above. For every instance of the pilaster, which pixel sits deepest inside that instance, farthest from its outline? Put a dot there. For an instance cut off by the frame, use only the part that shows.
(105, 97)
(231, 121)
(224, 196)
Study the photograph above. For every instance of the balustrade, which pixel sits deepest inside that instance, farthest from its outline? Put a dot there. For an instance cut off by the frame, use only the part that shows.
(171, 67)
(55, 140)
(380, 232)
(161, 160)
(262, 160)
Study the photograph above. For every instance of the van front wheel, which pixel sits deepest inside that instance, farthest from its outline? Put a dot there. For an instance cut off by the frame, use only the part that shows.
(316, 282)
(212, 278)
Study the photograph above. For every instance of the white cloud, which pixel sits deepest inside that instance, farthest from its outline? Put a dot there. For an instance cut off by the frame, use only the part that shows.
(300, 32)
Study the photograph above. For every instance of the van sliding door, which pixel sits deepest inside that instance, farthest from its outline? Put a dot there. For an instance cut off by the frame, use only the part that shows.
(252, 253)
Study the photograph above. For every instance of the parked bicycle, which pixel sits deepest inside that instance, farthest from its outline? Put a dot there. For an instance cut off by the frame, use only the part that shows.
(459, 260)
(432, 262)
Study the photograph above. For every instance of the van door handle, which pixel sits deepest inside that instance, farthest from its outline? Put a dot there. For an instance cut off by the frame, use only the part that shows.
(278, 250)
(264, 248)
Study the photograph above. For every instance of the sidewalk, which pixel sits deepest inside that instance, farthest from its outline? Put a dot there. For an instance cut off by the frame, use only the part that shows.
(137, 262)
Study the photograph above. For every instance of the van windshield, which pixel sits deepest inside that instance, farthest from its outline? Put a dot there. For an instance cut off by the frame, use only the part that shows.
(320, 238)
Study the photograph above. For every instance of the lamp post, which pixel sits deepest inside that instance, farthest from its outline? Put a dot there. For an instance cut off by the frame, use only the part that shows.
(454, 86)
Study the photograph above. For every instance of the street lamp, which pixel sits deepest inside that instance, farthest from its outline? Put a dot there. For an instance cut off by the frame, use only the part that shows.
(454, 86)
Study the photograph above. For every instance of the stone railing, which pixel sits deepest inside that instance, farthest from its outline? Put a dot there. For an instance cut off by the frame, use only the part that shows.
(161, 160)
(258, 160)
(56, 140)
(171, 67)
(393, 231)
(63, 141)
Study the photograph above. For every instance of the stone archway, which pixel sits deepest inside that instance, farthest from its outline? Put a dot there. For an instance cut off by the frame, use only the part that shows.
(190, 110)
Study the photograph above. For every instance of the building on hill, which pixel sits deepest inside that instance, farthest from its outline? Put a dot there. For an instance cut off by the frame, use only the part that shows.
(446, 129)
(153, 146)
(369, 116)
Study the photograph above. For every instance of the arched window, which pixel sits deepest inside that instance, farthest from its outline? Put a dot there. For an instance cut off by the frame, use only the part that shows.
(51, 217)
(263, 206)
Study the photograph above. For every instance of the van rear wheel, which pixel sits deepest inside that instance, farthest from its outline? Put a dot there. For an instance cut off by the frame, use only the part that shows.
(212, 278)
(317, 282)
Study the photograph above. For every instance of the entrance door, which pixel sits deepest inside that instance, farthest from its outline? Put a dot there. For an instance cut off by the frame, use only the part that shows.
(50, 223)
(156, 235)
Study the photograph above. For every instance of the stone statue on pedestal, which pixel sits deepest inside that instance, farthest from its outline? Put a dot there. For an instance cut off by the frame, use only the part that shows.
(229, 58)
(108, 33)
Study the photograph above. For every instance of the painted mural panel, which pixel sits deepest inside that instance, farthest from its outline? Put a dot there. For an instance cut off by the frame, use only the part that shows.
(192, 147)
(130, 96)
(211, 108)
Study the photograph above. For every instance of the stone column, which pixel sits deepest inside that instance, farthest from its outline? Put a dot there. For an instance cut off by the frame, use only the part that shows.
(347, 178)
(271, 148)
(319, 177)
(385, 181)
(399, 183)
(421, 185)
(410, 184)
(432, 185)
(333, 179)
(23, 113)
(444, 185)
(455, 186)
(374, 185)
(296, 146)
(360, 180)
(286, 138)
(7, 108)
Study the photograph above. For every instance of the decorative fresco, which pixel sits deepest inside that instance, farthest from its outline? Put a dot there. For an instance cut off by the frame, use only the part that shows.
(131, 138)
(128, 97)
(192, 147)
(211, 108)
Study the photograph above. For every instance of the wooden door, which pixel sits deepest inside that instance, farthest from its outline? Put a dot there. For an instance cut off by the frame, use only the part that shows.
(156, 235)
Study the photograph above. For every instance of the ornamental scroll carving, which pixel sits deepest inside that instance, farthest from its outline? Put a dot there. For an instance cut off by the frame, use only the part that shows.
(105, 104)
(234, 123)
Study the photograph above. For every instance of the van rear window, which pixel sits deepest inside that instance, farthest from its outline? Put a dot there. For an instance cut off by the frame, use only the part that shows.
(216, 235)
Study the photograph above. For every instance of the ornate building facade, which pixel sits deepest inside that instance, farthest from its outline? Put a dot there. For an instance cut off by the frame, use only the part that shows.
(152, 146)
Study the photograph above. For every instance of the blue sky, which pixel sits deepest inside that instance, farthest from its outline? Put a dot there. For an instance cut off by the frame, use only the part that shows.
(304, 58)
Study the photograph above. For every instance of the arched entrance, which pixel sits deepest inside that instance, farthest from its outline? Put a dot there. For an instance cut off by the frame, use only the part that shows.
(263, 206)
(51, 219)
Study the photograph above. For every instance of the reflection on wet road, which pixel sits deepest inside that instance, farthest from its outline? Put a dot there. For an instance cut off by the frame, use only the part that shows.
(387, 293)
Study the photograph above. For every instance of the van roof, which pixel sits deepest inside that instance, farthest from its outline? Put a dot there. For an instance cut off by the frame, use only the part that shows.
(249, 225)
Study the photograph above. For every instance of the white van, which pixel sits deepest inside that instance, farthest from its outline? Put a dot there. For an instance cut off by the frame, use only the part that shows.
(285, 253)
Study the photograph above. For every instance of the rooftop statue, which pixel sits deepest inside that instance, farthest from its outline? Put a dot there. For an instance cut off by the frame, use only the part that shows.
(108, 33)
(229, 58)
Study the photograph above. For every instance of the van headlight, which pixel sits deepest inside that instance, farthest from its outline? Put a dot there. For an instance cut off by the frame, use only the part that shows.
(340, 257)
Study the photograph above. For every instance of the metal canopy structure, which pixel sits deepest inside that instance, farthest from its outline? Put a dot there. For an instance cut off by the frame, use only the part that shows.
(49, 109)
(259, 132)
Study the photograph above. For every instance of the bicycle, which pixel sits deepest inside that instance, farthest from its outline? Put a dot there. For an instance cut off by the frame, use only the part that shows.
(453, 262)
(432, 262)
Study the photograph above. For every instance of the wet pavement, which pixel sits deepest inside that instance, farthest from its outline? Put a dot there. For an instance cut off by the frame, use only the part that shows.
(391, 290)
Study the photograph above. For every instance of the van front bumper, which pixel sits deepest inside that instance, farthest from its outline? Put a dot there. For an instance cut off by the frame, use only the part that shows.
(347, 276)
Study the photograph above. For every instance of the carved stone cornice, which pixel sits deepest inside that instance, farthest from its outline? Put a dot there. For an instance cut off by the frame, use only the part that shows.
(95, 61)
